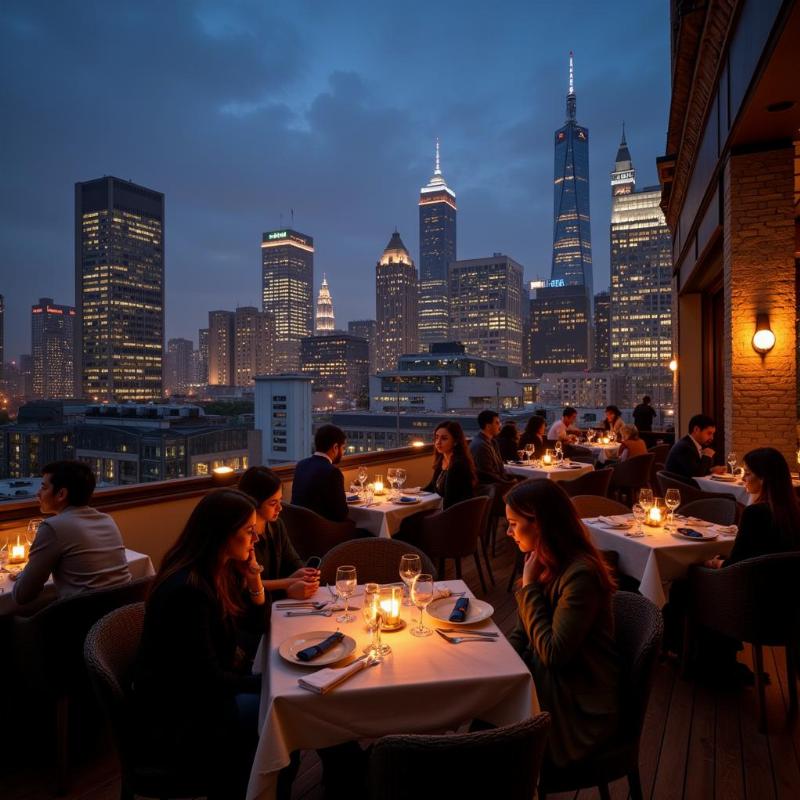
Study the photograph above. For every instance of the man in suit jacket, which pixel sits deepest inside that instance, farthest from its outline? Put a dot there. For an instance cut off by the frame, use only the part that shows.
(318, 483)
(485, 451)
(692, 456)
(81, 547)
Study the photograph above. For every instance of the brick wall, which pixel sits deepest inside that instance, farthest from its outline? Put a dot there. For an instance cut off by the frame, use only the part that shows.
(759, 264)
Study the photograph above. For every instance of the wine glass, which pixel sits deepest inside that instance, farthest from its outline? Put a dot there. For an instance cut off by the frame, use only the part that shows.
(410, 567)
(421, 595)
(355, 490)
(646, 499)
(400, 479)
(639, 514)
(529, 450)
(672, 499)
(373, 617)
(559, 450)
(345, 588)
(522, 455)
(732, 462)
(362, 476)
(391, 476)
(33, 527)
(369, 495)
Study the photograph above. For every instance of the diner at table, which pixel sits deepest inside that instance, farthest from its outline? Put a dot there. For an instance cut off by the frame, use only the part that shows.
(631, 445)
(508, 440)
(533, 435)
(564, 430)
(485, 452)
(692, 456)
(613, 421)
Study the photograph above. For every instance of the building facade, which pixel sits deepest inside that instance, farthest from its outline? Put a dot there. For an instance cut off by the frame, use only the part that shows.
(283, 416)
(254, 344)
(366, 329)
(221, 348)
(560, 327)
(437, 248)
(325, 320)
(202, 357)
(52, 350)
(338, 365)
(287, 282)
(179, 372)
(395, 304)
(602, 331)
(641, 283)
(119, 289)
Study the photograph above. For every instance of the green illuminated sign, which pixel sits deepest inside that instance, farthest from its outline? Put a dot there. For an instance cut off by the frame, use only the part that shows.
(278, 235)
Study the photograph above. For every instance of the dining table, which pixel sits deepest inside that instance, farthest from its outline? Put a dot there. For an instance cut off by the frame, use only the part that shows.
(425, 685)
(661, 556)
(382, 517)
(602, 452)
(724, 485)
(139, 564)
(566, 471)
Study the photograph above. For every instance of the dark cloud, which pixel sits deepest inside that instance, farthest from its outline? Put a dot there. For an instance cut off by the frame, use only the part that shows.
(243, 111)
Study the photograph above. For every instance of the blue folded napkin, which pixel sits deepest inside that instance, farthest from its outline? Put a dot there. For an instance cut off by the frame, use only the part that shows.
(408, 499)
(459, 613)
(351, 498)
(316, 650)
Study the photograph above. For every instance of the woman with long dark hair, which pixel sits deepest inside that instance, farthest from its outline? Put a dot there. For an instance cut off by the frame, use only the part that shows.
(508, 441)
(565, 629)
(534, 434)
(771, 523)
(283, 570)
(454, 475)
(196, 702)
(613, 422)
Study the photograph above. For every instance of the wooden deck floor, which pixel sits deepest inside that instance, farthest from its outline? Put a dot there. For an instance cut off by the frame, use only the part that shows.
(698, 743)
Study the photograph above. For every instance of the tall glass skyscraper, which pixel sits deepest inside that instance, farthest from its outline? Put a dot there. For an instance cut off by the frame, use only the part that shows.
(572, 236)
(52, 348)
(119, 289)
(437, 248)
(287, 275)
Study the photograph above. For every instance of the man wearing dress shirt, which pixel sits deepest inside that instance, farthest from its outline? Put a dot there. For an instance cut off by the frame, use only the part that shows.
(692, 456)
(485, 450)
(81, 547)
(560, 430)
(318, 483)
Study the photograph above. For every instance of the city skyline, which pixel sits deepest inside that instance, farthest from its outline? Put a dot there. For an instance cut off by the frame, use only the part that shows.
(314, 133)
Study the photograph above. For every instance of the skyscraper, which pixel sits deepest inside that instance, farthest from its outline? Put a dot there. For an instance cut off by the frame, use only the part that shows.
(52, 350)
(641, 282)
(572, 236)
(486, 307)
(287, 276)
(221, 345)
(325, 321)
(602, 331)
(560, 325)
(366, 329)
(119, 289)
(395, 304)
(254, 348)
(437, 248)
(338, 365)
(2, 334)
(202, 356)
(178, 366)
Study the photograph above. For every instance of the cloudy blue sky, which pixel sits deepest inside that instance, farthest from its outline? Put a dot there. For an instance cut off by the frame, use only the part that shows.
(242, 110)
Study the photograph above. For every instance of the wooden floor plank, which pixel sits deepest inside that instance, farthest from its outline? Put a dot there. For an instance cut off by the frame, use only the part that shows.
(699, 783)
(728, 759)
(669, 783)
(655, 724)
(786, 770)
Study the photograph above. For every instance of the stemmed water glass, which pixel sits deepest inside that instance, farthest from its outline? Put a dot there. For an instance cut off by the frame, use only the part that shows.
(559, 452)
(646, 499)
(639, 514)
(391, 476)
(672, 499)
(529, 450)
(345, 588)
(400, 479)
(33, 527)
(362, 477)
(732, 462)
(410, 567)
(421, 595)
(373, 616)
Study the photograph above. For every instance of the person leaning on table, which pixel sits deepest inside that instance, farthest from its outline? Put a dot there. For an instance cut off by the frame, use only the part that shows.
(283, 572)
(632, 445)
(195, 702)
(562, 430)
(565, 628)
(692, 456)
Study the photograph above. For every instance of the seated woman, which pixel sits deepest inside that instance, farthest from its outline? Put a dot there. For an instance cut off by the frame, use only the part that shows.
(771, 523)
(195, 701)
(565, 629)
(613, 422)
(534, 434)
(631, 445)
(283, 572)
(453, 471)
(508, 441)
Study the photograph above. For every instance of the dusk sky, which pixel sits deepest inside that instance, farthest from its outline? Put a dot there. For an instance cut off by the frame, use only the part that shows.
(240, 111)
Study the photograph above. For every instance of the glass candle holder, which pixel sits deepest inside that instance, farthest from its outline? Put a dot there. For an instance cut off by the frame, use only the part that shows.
(391, 599)
(547, 458)
(656, 514)
(17, 551)
(377, 484)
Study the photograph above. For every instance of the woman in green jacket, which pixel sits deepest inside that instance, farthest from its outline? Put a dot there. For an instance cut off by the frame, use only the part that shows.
(565, 629)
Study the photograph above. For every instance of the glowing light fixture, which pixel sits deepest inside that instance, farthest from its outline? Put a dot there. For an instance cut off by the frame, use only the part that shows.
(763, 338)
(673, 365)
(223, 476)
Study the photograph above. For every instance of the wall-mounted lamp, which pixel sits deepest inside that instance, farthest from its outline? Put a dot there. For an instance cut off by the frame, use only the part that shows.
(673, 365)
(763, 338)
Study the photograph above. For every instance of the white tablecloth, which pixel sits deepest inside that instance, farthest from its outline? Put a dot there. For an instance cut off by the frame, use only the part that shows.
(138, 563)
(425, 685)
(383, 518)
(553, 473)
(734, 488)
(602, 452)
(658, 559)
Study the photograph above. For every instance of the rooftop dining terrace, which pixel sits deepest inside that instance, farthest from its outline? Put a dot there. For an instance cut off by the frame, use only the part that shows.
(699, 740)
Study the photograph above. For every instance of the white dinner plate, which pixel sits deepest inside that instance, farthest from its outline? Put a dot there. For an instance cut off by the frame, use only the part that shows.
(693, 522)
(724, 478)
(407, 501)
(442, 608)
(294, 644)
(708, 536)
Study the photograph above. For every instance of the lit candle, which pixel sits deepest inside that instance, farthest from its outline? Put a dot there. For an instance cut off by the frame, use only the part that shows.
(17, 554)
(390, 611)
(654, 516)
(604, 440)
(378, 484)
(547, 459)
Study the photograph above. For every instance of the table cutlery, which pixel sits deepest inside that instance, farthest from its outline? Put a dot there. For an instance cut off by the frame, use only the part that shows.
(327, 613)
(460, 639)
(471, 632)
(304, 603)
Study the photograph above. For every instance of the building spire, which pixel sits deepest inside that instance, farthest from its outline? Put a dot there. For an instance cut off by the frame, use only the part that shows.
(571, 93)
(437, 170)
(622, 142)
(325, 320)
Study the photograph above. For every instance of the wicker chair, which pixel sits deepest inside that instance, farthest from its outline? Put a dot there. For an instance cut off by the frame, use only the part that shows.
(594, 483)
(577, 452)
(109, 652)
(454, 533)
(313, 535)
(692, 493)
(753, 601)
(630, 476)
(672, 480)
(48, 650)
(719, 510)
(638, 628)
(507, 759)
(375, 560)
(589, 505)
(660, 451)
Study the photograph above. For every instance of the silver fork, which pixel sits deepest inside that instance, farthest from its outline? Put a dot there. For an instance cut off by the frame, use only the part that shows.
(317, 604)
(462, 632)
(460, 639)
(308, 613)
